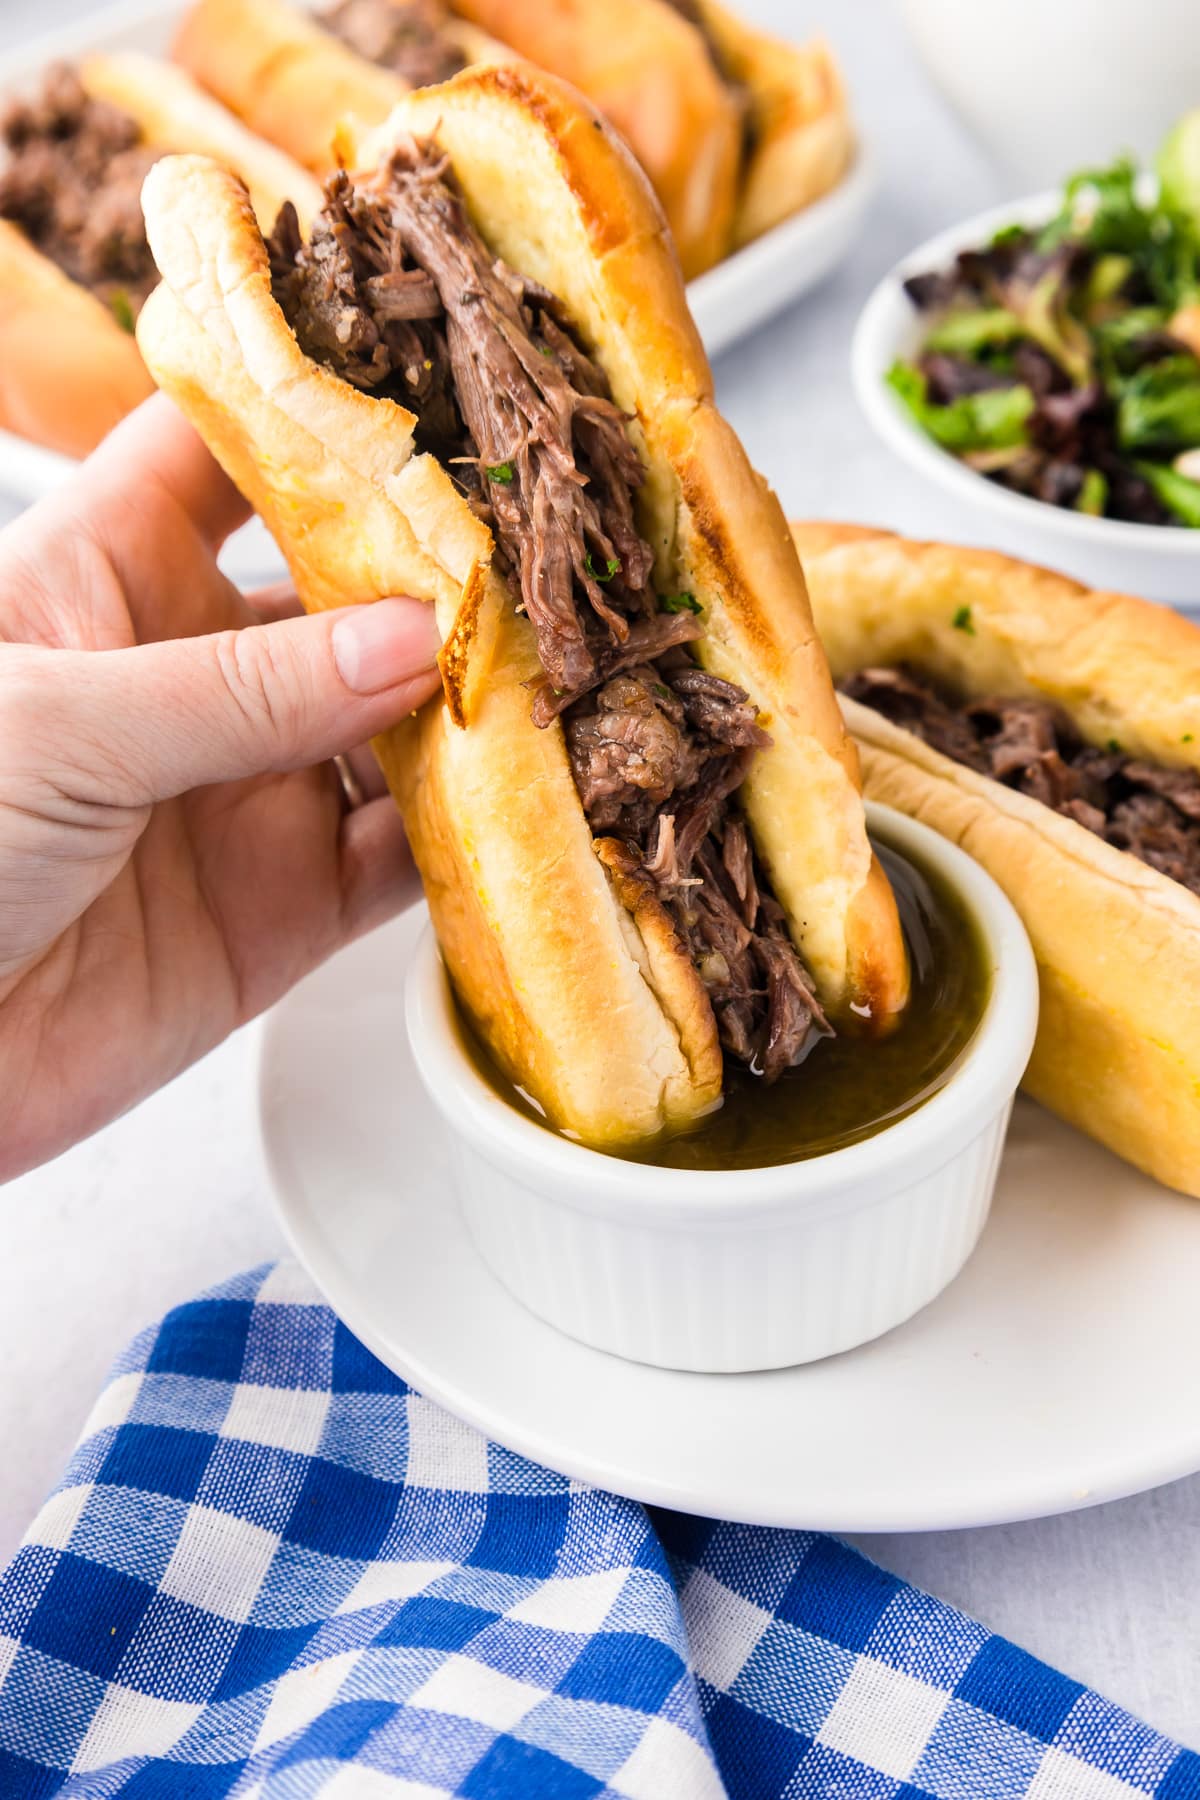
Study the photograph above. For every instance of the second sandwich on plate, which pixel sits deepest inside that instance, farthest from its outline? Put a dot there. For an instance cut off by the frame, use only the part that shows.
(1054, 732)
(74, 263)
(737, 130)
(636, 811)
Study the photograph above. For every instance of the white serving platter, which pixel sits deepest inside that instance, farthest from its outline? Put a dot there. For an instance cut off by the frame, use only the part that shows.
(729, 301)
(1057, 1371)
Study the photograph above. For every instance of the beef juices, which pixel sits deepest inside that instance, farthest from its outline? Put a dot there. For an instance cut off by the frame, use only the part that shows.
(397, 293)
(852, 1089)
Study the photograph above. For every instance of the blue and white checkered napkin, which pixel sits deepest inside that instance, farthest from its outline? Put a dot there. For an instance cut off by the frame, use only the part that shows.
(274, 1571)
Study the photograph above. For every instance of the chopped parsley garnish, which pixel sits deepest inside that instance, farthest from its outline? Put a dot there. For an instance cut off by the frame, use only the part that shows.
(677, 603)
(501, 472)
(1189, 737)
(1115, 746)
(121, 307)
(664, 693)
(963, 621)
(611, 567)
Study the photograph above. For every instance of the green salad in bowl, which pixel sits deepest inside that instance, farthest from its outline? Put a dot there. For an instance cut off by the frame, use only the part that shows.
(1062, 361)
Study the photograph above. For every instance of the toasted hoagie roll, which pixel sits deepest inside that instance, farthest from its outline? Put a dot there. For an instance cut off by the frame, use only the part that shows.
(1117, 939)
(299, 77)
(576, 952)
(283, 69)
(653, 76)
(68, 371)
(799, 140)
(75, 264)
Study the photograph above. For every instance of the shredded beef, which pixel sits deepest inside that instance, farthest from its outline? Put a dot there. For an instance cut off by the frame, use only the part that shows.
(72, 180)
(1151, 811)
(410, 37)
(396, 291)
(337, 293)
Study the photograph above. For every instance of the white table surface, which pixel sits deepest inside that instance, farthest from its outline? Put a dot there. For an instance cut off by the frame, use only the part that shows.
(171, 1197)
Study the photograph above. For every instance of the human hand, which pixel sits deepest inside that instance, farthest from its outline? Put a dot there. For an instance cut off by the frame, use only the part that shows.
(175, 849)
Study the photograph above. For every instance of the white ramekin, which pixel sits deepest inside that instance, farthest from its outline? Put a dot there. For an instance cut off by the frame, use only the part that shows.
(753, 1269)
(1160, 561)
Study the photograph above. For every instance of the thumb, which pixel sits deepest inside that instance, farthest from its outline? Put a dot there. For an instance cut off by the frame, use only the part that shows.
(141, 725)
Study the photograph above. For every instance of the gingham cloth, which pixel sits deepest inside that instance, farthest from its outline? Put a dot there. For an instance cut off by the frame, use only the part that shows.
(274, 1570)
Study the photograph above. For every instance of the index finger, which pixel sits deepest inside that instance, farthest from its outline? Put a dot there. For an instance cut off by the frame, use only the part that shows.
(155, 445)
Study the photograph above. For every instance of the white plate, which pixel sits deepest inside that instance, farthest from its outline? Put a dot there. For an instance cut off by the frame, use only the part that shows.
(1161, 561)
(1058, 1370)
(727, 302)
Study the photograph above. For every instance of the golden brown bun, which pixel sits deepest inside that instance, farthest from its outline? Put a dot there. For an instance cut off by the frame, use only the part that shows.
(68, 370)
(801, 135)
(175, 114)
(650, 74)
(592, 1007)
(1117, 943)
(291, 81)
(643, 65)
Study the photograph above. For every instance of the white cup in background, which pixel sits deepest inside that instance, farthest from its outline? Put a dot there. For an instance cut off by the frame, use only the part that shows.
(1050, 86)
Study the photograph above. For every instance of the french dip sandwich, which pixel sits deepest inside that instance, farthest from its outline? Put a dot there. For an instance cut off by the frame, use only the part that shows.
(636, 812)
(1054, 732)
(737, 130)
(74, 263)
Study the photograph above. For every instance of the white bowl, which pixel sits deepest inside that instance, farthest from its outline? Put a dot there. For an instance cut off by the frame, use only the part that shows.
(1161, 561)
(1132, 72)
(754, 1269)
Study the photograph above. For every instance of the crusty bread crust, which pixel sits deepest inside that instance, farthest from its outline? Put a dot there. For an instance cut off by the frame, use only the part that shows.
(291, 81)
(69, 371)
(642, 63)
(802, 139)
(1117, 943)
(590, 1006)
(645, 68)
(649, 72)
(175, 114)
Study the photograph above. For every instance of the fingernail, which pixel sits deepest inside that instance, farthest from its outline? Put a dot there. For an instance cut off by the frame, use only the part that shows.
(381, 645)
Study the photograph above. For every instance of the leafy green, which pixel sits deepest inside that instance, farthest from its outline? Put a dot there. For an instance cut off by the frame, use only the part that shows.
(967, 333)
(611, 567)
(502, 472)
(1043, 311)
(121, 307)
(1107, 277)
(1110, 211)
(1159, 406)
(962, 621)
(1177, 493)
(677, 603)
(1117, 339)
(1093, 494)
(993, 420)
